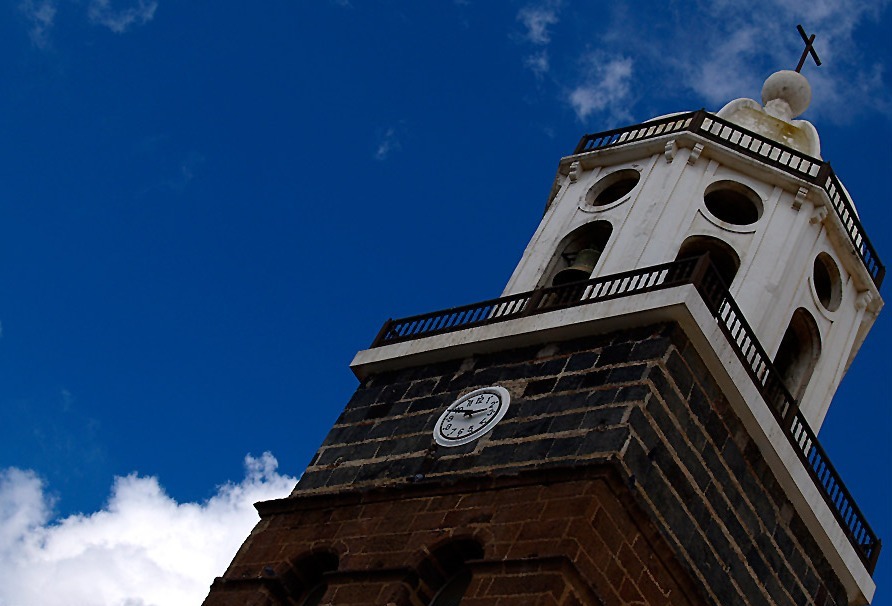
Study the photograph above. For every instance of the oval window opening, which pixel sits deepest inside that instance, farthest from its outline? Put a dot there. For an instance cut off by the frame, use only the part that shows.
(733, 203)
(828, 285)
(613, 187)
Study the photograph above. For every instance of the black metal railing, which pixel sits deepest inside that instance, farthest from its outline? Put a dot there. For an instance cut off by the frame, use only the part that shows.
(534, 302)
(758, 147)
(700, 273)
(785, 409)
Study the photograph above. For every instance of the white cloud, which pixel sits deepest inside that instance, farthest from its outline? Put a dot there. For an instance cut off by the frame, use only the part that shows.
(41, 14)
(389, 142)
(736, 46)
(186, 172)
(729, 58)
(119, 20)
(537, 20)
(142, 549)
(605, 87)
(538, 63)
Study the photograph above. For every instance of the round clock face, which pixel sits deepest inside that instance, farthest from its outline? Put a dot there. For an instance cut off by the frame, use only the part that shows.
(471, 416)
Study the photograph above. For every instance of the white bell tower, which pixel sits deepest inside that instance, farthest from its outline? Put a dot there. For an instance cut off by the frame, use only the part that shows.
(747, 185)
(640, 405)
(730, 226)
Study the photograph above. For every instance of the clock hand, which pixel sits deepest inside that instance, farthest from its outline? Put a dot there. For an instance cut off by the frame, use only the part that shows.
(467, 413)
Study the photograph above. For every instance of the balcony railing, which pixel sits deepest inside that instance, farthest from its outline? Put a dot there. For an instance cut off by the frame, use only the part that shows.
(729, 135)
(700, 273)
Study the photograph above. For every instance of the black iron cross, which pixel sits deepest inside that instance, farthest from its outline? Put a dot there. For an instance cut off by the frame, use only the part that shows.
(809, 48)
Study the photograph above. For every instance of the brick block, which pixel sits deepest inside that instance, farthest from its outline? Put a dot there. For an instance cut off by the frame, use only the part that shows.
(539, 387)
(566, 508)
(570, 382)
(624, 374)
(617, 353)
(581, 361)
(514, 586)
(550, 530)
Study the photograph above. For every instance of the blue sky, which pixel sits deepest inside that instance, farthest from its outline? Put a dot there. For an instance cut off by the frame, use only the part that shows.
(207, 207)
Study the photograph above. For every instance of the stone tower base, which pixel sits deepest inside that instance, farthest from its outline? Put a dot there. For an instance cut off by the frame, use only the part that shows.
(620, 475)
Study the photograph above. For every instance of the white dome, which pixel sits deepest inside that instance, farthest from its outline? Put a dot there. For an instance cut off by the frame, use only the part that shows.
(786, 88)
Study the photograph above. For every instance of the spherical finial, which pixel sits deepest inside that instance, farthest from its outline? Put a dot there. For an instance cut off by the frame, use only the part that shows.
(786, 94)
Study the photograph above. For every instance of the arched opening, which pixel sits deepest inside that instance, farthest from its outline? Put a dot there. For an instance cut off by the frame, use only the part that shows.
(306, 581)
(445, 574)
(733, 203)
(578, 254)
(453, 591)
(613, 187)
(798, 353)
(724, 258)
(315, 594)
(827, 282)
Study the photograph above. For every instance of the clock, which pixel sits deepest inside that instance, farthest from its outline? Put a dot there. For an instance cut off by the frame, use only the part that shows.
(471, 416)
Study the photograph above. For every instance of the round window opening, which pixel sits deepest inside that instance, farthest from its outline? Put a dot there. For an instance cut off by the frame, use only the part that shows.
(733, 203)
(828, 285)
(613, 187)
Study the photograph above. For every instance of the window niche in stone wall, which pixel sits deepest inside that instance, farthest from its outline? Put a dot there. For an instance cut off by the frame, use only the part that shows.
(577, 254)
(445, 574)
(454, 590)
(723, 258)
(613, 187)
(827, 282)
(798, 353)
(733, 202)
(306, 582)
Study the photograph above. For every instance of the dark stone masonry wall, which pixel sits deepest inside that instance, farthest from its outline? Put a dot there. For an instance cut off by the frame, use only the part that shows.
(544, 541)
(635, 410)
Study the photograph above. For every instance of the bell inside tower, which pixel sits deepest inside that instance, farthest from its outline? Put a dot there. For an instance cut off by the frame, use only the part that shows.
(581, 268)
(579, 253)
(723, 258)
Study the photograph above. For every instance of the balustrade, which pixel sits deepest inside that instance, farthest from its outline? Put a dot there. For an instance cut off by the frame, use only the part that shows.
(758, 147)
(700, 273)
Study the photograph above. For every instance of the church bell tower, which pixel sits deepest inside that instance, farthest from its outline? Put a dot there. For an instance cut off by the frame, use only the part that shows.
(633, 421)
